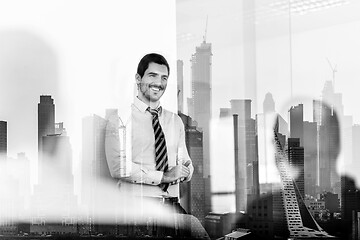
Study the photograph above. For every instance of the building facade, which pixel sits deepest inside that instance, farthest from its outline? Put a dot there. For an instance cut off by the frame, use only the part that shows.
(3, 140)
(201, 103)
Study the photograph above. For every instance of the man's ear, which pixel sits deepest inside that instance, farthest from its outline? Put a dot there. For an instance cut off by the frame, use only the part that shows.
(138, 79)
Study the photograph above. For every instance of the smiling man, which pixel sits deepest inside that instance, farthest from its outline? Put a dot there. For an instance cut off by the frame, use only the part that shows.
(160, 160)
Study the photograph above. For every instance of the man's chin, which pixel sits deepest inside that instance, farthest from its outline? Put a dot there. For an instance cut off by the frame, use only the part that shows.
(155, 98)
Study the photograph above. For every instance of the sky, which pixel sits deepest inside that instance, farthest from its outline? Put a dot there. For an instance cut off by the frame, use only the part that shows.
(307, 39)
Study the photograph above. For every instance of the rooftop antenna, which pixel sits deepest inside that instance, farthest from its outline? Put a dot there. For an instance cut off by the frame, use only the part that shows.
(204, 37)
(334, 70)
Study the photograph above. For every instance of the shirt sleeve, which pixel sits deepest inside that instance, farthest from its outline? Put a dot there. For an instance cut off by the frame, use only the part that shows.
(138, 173)
(182, 154)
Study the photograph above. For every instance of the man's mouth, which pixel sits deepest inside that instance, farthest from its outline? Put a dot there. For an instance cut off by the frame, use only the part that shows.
(156, 88)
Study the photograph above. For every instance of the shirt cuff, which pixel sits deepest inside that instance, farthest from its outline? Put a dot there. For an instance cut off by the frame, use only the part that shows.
(152, 177)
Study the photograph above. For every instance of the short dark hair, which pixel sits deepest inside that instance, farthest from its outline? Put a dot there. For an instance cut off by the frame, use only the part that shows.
(149, 58)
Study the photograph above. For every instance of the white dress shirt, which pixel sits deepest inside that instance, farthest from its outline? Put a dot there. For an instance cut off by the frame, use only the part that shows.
(144, 177)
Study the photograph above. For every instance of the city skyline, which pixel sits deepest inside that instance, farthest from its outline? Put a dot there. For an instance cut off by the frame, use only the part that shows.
(245, 65)
(243, 109)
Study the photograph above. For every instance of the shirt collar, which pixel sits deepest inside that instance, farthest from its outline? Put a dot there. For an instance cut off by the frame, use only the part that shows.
(141, 106)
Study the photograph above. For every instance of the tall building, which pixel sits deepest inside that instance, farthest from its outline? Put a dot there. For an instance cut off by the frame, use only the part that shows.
(225, 112)
(54, 195)
(94, 166)
(296, 123)
(329, 148)
(260, 212)
(291, 207)
(296, 162)
(246, 154)
(19, 169)
(194, 199)
(56, 159)
(11, 204)
(350, 204)
(356, 142)
(249, 70)
(317, 111)
(347, 140)
(180, 85)
(268, 104)
(265, 123)
(201, 64)
(95, 170)
(310, 157)
(46, 118)
(3, 140)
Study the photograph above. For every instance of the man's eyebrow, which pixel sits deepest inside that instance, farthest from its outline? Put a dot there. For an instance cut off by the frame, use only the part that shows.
(153, 73)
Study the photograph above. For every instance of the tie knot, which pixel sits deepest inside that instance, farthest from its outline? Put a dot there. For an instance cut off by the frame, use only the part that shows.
(154, 111)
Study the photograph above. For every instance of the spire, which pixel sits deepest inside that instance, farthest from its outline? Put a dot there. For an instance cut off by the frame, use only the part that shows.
(204, 37)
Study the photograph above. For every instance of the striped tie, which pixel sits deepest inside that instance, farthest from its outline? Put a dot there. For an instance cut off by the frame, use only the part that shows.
(161, 157)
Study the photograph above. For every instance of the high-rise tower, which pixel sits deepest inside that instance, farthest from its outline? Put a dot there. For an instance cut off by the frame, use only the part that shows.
(298, 221)
(268, 104)
(201, 102)
(46, 118)
(296, 123)
(310, 157)
(94, 165)
(3, 140)
(296, 161)
(180, 85)
(195, 189)
(246, 154)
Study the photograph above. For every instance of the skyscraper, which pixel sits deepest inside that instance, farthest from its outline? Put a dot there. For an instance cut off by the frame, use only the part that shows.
(296, 162)
(317, 111)
(329, 138)
(265, 123)
(356, 142)
(195, 189)
(296, 123)
(244, 162)
(310, 157)
(268, 104)
(350, 204)
(350, 194)
(201, 102)
(93, 165)
(55, 191)
(95, 170)
(180, 85)
(3, 140)
(46, 118)
(289, 204)
(56, 159)
(329, 148)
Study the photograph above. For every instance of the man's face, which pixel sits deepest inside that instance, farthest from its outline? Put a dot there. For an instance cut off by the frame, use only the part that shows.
(153, 84)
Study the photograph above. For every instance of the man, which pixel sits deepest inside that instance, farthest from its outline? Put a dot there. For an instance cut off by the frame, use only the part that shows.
(160, 160)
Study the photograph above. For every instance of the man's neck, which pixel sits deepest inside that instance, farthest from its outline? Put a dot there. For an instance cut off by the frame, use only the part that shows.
(152, 105)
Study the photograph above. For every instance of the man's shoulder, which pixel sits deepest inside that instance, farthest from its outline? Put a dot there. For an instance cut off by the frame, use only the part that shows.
(171, 115)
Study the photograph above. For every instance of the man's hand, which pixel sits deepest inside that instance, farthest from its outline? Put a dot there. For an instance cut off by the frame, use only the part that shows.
(177, 173)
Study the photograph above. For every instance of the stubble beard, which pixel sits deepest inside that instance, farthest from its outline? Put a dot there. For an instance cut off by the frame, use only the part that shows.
(146, 92)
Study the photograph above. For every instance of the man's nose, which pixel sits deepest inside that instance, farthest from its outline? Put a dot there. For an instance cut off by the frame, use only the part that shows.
(157, 80)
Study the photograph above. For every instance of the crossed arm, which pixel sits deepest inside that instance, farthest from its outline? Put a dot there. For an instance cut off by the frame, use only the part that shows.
(141, 173)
